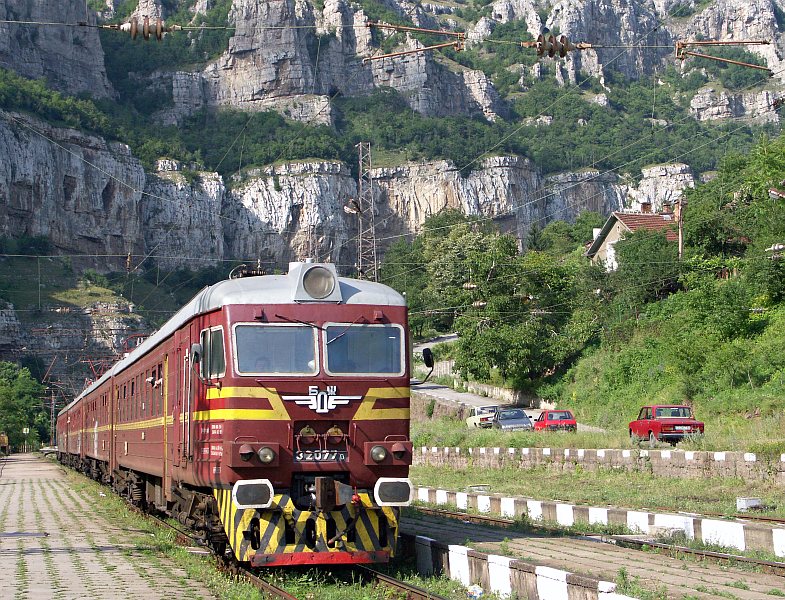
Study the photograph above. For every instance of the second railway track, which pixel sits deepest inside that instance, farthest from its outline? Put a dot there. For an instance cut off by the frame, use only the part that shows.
(683, 571)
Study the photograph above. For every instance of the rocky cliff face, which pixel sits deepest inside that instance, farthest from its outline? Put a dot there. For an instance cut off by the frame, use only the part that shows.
(78, 190)
(181, 220)
(661, 185)
(711, 104)
(70, 59)
(275, 62)
(93, 198)
(290, 212)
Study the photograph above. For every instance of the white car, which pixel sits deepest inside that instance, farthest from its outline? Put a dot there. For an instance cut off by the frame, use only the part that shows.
(481, 416)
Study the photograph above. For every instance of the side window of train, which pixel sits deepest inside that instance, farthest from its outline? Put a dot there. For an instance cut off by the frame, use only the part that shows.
(213, 362)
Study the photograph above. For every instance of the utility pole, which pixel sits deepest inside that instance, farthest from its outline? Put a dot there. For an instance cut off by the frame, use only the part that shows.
(680, 221)
(52, 432)
(366, 235)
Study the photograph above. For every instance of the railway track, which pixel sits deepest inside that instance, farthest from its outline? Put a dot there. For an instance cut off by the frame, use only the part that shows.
(411, 592)
(766, 566)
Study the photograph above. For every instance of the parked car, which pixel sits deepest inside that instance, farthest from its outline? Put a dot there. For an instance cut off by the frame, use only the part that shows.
(511, 419)
(481, 416)
(556, 420)
(669, 423)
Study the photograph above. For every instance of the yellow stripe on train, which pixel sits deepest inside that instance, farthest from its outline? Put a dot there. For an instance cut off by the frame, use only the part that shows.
(367, 410)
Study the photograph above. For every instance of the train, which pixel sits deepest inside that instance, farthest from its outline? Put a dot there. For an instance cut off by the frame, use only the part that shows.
(270, 414)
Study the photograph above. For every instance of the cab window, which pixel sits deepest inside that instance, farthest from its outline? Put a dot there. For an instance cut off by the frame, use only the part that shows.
(364, 349)
(213, 362)
(270, 349)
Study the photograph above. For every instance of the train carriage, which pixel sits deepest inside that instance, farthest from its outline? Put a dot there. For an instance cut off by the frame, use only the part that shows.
(271, 414)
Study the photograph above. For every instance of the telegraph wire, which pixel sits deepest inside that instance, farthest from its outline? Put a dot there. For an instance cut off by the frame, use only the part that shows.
(219, 215)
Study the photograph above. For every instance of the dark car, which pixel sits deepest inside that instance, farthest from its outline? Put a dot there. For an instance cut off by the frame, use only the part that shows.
(511, 419)
(669, 423)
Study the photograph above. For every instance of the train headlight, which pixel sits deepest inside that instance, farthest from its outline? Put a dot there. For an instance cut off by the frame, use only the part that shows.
(246, 452)
(398, 450)
(307, 435)
(378, 453)
(266, 455)
(318, 282)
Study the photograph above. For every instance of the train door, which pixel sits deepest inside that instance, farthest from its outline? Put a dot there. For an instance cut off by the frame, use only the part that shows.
(162, 372)
(177, 426)
(182, 401)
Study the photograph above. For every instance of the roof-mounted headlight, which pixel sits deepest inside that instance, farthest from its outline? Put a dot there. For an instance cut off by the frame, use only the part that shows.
(314, 282)
(318, 282)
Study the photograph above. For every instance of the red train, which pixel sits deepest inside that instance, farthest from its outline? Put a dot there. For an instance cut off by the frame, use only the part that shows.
(270, 414)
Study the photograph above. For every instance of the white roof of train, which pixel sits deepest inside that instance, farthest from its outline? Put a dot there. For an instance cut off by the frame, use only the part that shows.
(265, 289)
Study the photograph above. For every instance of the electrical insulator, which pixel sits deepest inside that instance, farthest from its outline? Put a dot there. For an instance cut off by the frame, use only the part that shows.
(552, 46)
(156, 29)
(469, 286)
(479, 304)
(542, 46)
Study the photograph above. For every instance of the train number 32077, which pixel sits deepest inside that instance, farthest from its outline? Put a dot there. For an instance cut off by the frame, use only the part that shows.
(320, 455)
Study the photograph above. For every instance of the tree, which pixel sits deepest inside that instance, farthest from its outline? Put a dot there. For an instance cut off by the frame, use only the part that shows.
(648, 268)
(20, 405)
(404, 269)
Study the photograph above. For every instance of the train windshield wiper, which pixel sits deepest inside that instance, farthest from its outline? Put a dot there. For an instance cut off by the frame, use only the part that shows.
(314, 325)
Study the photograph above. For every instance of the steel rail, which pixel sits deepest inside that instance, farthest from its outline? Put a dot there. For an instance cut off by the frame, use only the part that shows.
(234, 569)
(265, 586)
(767, 566)
(412, 591)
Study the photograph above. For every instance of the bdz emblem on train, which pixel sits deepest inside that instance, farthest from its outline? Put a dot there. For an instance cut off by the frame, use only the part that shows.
(322, 401)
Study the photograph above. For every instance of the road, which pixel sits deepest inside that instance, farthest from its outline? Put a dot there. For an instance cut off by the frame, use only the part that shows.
(444, 393)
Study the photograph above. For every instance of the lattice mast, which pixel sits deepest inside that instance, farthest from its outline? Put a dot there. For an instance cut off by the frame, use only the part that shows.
(367, 265)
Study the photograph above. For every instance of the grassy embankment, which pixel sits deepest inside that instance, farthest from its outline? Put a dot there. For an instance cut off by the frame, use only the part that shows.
(607, 487)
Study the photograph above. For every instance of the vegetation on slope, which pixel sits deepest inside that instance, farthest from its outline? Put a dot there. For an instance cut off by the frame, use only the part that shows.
(708, 331)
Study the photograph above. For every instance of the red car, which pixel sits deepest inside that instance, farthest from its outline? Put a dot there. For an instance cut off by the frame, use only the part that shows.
(555, 420)
(669, 423)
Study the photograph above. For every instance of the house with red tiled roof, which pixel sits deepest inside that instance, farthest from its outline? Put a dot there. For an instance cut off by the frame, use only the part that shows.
(601, 250)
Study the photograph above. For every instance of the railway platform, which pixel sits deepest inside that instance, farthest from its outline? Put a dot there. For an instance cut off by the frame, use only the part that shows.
(57, 540)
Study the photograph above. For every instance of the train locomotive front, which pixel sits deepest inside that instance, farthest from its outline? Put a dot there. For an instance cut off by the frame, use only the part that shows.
(304, 431)
(270, 414)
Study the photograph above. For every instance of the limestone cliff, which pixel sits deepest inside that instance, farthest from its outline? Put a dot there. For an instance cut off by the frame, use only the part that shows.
(76, 189)
(69, 58)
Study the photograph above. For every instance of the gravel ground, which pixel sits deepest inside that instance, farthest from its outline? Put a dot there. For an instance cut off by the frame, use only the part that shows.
(57, 543)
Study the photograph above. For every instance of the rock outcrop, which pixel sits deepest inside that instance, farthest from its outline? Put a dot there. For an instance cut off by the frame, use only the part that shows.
(9, 330)
(275, 63)
(710, 104)
(292, 211)
(69, 58)
(78, 190)
(660, 186)
(182, 222)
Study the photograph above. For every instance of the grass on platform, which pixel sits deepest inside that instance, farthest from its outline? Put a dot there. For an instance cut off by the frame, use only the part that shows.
(637, 490)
